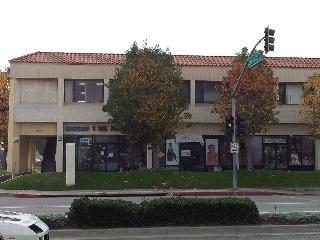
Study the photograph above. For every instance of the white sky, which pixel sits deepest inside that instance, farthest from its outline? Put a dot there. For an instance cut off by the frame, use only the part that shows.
(201, 27)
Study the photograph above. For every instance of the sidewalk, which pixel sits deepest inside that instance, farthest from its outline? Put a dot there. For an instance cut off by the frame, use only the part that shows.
(158, 192)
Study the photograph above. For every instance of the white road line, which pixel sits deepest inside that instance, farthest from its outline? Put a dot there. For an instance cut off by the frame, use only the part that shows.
(284, 203)
(291, 212)
(13, 207)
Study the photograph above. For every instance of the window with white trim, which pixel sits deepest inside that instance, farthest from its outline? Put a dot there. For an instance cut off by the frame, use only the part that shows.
(83, 91)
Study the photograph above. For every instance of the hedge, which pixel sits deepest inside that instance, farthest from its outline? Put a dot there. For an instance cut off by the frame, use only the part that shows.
(290, 218)
(87, 212)
(173, 211)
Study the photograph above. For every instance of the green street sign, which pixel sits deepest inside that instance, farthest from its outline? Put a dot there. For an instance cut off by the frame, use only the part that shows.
(255, 58)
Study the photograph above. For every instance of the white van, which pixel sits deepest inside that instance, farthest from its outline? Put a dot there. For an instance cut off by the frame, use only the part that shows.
(21, 226)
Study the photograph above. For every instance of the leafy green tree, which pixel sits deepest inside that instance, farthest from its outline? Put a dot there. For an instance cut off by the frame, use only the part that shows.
(311, 104)
(256, 96)
(146, 101)
(4, 109)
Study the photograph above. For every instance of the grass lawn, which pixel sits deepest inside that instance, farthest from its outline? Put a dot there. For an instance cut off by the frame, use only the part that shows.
(2, 171)
(165, 179)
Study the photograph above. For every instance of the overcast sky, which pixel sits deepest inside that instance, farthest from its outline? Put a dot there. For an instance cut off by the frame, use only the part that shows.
(201, 27)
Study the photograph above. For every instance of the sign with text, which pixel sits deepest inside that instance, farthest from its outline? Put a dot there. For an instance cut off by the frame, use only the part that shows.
(233, 147)
(255, 58)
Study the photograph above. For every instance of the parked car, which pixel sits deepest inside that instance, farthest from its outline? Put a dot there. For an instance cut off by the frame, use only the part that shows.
(22, 226)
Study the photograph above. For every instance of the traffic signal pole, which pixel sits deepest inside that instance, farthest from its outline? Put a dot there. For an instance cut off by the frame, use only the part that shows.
(233, 112)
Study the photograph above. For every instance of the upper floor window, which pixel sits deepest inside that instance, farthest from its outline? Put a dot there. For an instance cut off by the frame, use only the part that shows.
(206, 91)
(290, 93)
(85, 91)
(186, 89)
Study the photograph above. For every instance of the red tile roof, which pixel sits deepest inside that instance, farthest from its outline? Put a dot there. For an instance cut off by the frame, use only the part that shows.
(182, 60)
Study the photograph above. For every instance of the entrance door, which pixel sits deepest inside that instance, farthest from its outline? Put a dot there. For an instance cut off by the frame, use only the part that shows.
(276, 156)
(191, 157)
(106, 157)
(112, 157)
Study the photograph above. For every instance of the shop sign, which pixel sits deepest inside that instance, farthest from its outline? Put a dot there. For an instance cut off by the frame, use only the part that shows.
(185, 153)
(185, 138)
(275, 140)
(86, 128)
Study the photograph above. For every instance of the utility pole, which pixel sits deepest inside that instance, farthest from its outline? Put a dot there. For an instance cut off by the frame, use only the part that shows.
(269, 35)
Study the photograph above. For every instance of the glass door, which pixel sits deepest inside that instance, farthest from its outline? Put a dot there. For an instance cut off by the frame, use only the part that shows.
(276, 156)
(112, 160)
(269, 156)
(99, 163)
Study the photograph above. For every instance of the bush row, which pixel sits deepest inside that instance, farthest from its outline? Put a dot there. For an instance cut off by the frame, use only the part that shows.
(290, 218)
(85, 212)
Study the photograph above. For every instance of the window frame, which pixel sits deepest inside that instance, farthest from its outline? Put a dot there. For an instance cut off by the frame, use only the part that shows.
(202, 82)
(94, 82)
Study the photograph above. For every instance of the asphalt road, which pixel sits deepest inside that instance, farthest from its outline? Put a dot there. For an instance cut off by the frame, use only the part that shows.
(266, 232)
(271, 204)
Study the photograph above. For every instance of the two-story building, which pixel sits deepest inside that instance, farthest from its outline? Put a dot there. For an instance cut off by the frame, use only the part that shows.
(57, 98)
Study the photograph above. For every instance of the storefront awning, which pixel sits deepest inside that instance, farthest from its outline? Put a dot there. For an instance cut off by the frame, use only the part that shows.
(184, 138)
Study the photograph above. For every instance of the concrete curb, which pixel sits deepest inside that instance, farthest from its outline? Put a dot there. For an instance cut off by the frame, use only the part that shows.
(155, 193)
(107, 194)
(225, 193)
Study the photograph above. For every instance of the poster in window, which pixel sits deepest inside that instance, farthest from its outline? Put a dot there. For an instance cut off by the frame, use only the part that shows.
(294, 159)
(212, 152)
(172, 152)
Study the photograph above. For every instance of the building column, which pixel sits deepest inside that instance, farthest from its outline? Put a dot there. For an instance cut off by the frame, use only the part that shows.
(31, 155)
(13, 130)
(59, 146)
(317, 154)
(192, 94)
(105, 90)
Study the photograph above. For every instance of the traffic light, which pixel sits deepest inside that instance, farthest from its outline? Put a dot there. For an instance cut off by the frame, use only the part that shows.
(229, 127)
(241, 127)
(268, 39)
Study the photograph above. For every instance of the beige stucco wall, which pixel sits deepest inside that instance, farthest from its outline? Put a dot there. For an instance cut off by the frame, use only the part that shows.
(38, 129)
(38, 90)
(37, 103)
(33, 109)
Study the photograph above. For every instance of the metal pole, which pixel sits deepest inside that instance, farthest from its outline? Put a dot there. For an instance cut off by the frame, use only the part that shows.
(234, 155)
(233, 112)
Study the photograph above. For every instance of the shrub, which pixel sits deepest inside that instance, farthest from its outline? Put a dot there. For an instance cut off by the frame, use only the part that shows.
(55, 221)
(85, 212)
(290, 218)
(171, 211)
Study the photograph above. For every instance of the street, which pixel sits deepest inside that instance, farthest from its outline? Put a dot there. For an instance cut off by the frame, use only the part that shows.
(265, 204)
(270, 232)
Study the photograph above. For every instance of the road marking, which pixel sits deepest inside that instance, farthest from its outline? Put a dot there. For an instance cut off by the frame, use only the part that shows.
(284, 203)
(291, 212)
(12, 207)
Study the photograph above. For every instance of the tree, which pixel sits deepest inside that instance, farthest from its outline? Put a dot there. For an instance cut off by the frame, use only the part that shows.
(4, 109)
(256, 96)
(146, 101)
(311, 104)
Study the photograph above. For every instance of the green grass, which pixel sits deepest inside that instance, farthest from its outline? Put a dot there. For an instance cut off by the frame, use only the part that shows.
(165, 179)
(3, 171)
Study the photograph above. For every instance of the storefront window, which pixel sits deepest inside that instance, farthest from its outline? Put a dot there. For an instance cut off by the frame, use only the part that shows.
(254, 151)
(85, 153)
(295, 151)
(307, 151)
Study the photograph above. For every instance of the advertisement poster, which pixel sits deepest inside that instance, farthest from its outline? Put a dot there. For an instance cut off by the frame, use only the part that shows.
(294, 159)
(212, 152)
(172, 152)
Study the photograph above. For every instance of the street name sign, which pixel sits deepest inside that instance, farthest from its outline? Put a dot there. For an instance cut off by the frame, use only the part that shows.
(255, 58)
